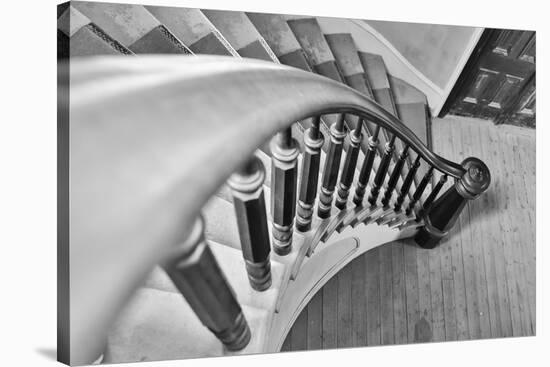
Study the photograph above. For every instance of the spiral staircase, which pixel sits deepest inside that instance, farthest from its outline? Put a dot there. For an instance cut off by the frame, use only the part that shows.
(349, 168)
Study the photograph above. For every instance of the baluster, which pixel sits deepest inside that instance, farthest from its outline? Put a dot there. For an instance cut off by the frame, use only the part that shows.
(284, 176)
(249, 203)
(432, 196)
(197, 275)
(443, 213)
(407, 184)
(332, 165)
(419, 190)
(366, 168)
(349, 166)
(382, 170)
(314, 141)
(396, 173)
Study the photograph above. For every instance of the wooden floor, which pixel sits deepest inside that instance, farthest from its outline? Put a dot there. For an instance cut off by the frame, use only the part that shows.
(479, 283)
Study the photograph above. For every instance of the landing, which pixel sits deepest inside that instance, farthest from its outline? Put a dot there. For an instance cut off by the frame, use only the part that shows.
(480, 283)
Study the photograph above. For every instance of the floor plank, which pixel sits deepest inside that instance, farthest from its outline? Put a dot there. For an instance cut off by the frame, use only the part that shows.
(479, 282)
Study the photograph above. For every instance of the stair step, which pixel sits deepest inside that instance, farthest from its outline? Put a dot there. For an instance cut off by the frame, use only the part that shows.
(377, 77)
(278, 35)
(221, 222)
(347, 59)
(193, 28)
(311, 39)
(276, 32)
(133, 27)
(241, 34)
(86, 38)
(404, 93)
(157, 325)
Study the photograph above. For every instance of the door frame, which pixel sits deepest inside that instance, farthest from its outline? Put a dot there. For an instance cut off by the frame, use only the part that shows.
(468, 73)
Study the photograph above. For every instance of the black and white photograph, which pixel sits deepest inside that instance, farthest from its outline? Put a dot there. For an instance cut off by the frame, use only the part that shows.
(258, 184)
(239, 183)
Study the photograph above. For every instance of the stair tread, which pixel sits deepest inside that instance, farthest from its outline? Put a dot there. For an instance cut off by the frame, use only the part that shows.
(86, 38)
(276, 32)
(241, 34)
(193, 28)
(133, 26)
(345, 53)
(404, 92)
(157, 325)
(221, 222)
(280, 38)
(347, 59)
(71, 20)
(311, 39)
(124, 22)
(377, 76)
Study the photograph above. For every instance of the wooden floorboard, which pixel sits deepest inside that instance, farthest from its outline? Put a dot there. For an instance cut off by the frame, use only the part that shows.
(480, 281)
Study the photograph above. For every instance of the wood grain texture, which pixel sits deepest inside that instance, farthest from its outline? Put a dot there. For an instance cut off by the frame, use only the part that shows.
(479, 283)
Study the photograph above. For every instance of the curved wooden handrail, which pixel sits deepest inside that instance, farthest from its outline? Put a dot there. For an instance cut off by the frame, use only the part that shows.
(152, 139)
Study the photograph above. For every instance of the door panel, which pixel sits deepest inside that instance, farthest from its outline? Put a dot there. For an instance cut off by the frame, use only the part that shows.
(498, 81)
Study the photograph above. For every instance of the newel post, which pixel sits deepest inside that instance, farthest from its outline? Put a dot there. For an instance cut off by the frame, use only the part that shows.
(197, 275)
(249, 202)
(440, 216)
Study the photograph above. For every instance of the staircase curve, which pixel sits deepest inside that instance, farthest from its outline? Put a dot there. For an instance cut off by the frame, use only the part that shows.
(243, 185)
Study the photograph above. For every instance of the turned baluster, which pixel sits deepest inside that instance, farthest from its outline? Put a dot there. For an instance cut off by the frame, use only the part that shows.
(350, 163)
(332, 165)
(407, 184)
(195, 272)
(249, 203)
(440, 216)
(430, 199)
(382, 170)
(396, 173)
(313, 140)
(420, 190)
(284, 177)
(366, 168)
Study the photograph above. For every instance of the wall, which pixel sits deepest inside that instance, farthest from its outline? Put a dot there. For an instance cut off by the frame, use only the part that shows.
(435, 50)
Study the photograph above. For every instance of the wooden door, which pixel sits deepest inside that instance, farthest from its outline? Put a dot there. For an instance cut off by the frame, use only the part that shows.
(498, 82)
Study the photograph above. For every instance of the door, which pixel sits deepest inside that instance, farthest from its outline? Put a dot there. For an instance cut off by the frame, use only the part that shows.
(498, 82)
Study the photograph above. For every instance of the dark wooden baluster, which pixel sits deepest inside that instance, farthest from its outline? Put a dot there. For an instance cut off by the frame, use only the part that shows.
(350, 163)
(430, 199)
(284, 176)
(440, 216)
(366, 168)
(197, 275)
(420, 190)
(407, 184)
(396, 173)
(332, 166)
(313, 140)
(382, 170)
(249, 203)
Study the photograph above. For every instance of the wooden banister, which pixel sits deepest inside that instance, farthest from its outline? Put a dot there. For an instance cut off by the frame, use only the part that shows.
(440, 216)
(153, 138)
